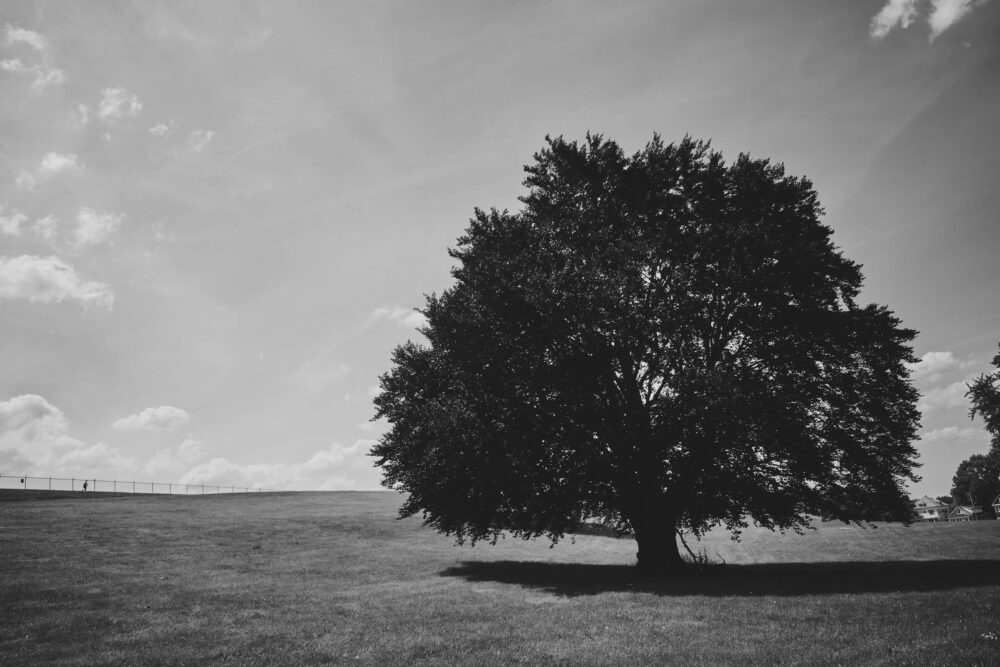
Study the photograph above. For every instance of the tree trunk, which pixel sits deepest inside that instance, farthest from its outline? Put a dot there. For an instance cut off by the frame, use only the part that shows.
(658, 553)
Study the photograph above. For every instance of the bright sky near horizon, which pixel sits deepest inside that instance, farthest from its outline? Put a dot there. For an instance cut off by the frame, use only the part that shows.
(215, 218)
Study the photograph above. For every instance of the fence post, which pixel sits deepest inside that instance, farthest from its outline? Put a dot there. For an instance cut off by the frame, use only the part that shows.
(72, 484)
(50, 483)
(133, 486)
(115, 487)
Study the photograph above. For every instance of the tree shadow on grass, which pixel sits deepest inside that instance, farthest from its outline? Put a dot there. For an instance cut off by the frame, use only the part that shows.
(786, 579)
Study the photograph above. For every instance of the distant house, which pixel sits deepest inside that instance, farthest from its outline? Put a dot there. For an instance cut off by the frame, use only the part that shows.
(966, 513)
(930, 509)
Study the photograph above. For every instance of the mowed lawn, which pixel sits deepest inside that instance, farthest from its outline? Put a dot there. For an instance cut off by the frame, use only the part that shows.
(308, 578)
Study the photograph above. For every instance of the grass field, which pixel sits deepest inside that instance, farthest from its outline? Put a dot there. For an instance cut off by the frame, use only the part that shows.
(307, 578)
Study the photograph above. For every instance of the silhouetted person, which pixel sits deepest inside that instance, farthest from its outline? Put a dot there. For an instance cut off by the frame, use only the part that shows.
(84, 485)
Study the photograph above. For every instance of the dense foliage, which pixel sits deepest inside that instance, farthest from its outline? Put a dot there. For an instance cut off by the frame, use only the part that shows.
(977, 480)
(660, 342)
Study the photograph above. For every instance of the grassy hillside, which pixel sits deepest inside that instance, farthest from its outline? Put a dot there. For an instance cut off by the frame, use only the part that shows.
(300, 578)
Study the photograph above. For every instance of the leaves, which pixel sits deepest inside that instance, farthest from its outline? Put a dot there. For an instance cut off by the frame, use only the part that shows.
(661, 335)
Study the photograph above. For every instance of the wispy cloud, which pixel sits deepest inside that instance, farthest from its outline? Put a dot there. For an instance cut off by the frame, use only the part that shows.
(13, 65)
(11, 221)
(953, 434)
(35, 439)
(946, 13)
(45, 77)
(49, 280)
(903, 13)
(162, 129)
(51, 165)
(950, 396)
(338, 467)
(93, 227)
(192, 450)
(933, 365)
(318, 374)
(25, 181)
(46, 228)
(81, 114)
(44, 74)
(895, 13)
(200, 139)
(117, 104)
(404, 317)
(25, 36)
(163, 419)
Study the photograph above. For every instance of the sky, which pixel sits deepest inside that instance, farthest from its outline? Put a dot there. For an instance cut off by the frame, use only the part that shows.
(217, 218)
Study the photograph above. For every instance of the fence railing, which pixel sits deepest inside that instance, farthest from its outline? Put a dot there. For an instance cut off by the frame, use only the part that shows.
(86, 485)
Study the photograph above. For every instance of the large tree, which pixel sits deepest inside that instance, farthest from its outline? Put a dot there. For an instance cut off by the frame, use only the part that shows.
(977, 479)
(662, 342)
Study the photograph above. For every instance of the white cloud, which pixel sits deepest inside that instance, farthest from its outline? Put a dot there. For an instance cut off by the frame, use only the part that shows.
(81, 114)
(35, 440)
(317, 375)
(895, 12)
(933, 365)
(951, 396)
(192, 450)
(903, 13)
(25, 181)
(405, 317)
(13, 65)
(46, 228)
(171, 462)
(372, 426)
(49, 280)
(53, 163)
(946, 13)
(339, 467)
(117, 104)
(93, 227)
(10, 223)
(45, 77)
(25, 36)
(201, 139)
(953, 434)
(161, 129)
(163, 419)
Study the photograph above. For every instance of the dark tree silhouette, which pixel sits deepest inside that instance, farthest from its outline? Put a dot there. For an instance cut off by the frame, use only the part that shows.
(662, 342)
(984, 392)
(977, 479)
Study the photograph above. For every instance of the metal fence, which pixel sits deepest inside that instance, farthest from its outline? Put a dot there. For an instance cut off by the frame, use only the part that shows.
(90, 484)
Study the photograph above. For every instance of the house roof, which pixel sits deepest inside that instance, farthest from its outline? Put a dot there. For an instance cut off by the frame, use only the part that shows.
(966, 509)
(927, 502)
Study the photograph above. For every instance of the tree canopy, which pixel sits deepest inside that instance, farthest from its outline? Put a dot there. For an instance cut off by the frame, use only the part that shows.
(663, 342)
(977, 480)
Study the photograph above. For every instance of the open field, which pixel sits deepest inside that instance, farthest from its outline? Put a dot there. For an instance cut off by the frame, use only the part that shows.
(299, 578)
